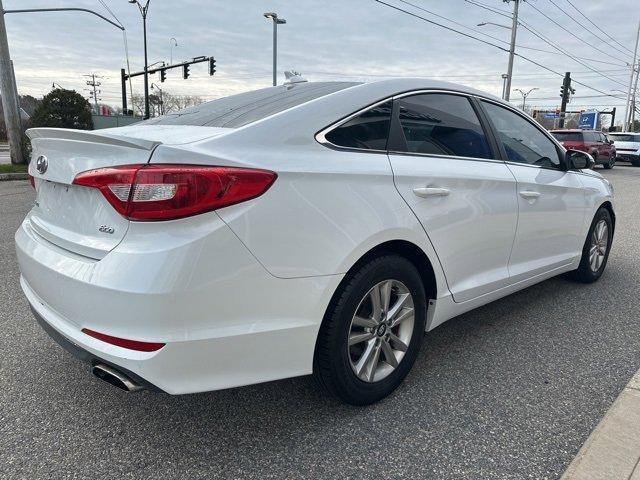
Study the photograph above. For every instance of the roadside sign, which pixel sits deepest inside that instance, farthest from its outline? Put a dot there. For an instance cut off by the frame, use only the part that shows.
(588, 120)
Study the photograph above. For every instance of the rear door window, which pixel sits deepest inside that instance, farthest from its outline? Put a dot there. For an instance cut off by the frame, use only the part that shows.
(368, 130)
(441, 124)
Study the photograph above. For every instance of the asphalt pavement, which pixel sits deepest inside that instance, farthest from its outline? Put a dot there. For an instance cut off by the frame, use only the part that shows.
(511, 390)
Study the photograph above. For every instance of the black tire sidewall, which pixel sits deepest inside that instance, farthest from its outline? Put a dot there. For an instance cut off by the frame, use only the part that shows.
(584, 272)
(342, 379)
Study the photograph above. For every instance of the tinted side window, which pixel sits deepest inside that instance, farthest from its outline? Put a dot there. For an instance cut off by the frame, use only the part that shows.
(442, 124)
(523, 141)
(369, 130)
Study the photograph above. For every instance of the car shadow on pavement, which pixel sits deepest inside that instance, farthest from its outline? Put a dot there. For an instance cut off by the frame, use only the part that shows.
(518, 363)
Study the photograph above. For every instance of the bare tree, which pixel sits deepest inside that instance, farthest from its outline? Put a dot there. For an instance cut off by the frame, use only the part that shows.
(170, 103)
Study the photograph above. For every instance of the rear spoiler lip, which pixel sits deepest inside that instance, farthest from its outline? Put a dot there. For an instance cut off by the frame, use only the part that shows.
(92, 137)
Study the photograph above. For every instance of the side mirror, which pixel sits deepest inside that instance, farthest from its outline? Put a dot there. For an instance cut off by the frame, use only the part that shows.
(577, 160)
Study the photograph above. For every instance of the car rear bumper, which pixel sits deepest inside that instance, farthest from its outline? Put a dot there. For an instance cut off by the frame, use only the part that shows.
(224, 319)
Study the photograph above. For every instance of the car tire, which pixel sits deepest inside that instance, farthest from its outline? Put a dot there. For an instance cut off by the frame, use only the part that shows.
(635, 163)
(354, 372)
(609, 165)
(595, 252)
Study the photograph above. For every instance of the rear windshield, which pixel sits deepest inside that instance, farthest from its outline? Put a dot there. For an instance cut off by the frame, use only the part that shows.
(244, 108)
(568, 136)
(625, 137)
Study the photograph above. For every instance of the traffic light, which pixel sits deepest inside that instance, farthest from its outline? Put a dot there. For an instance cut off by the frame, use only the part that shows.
(185, 71)
(562, 89)
(212, 66)
(163, 75)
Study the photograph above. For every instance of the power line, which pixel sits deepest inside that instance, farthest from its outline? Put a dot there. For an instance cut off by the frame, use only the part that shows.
(530, 4)
(589, 20)
(491, 44)
(573, 57)
(501, 12)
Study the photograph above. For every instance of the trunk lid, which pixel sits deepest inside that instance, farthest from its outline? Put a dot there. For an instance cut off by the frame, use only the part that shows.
(76, 218)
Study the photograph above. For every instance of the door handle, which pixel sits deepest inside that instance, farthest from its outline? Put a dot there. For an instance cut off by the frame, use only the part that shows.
(431, 192)
(529, 195)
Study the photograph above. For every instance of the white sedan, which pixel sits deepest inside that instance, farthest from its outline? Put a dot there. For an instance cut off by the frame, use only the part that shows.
(306, 228)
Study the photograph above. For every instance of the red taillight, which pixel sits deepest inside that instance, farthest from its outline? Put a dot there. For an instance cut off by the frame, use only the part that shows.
(124, 343)
(167, 192)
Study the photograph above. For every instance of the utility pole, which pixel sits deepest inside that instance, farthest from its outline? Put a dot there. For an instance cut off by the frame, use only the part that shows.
(94, 93)
(276, 21)
(632, 119)
(9, 93)
(512, 48)
(625, 126)
(565, 91)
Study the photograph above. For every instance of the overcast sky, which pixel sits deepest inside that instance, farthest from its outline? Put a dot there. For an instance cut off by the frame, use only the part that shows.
(325, 40)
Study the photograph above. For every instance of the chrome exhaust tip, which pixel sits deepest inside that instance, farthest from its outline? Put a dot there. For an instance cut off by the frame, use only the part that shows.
(115, 378)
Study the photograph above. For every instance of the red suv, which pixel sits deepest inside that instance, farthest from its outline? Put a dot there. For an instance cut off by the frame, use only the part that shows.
(591, 141)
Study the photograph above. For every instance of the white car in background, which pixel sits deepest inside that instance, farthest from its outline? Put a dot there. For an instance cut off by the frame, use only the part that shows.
(627, 146)
(307, 228)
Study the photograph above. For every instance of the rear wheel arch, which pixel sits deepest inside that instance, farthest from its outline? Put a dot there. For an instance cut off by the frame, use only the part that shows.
(411, 252)
(403, 248)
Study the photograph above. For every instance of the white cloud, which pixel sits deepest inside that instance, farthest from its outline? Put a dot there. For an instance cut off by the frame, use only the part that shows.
(330, 39)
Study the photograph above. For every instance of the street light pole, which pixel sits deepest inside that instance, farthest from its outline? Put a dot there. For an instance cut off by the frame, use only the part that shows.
(171, 45)
(8, 79)
(504, 83)
(524, 95)
(143, 11)
(276, 21)
(506, 88)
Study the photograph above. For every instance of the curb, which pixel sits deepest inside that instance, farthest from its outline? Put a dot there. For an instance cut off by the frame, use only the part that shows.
(4, 177)
(612, 451)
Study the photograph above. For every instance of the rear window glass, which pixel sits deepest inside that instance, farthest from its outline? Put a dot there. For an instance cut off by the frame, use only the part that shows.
(624, 137)
(244, 108)
(369, 130)
(568, 136)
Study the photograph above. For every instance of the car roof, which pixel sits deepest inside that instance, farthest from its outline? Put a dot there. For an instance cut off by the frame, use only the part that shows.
(393, 86)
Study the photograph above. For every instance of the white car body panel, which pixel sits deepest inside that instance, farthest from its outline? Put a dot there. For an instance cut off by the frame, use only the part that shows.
(481, 199)
(238, 295)
(549, 232)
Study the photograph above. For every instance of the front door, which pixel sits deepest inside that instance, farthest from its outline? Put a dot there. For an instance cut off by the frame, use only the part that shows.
(445, 169)
(551, 200)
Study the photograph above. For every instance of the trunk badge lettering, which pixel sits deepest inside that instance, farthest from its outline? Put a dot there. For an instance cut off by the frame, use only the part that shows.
(42, 164)
(106, 229)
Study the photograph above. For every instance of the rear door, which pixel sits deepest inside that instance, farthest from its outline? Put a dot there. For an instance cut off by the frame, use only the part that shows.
(551, 201)
(443, 165)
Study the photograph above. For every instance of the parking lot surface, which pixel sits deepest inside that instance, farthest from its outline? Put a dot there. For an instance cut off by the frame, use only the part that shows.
(510, 390)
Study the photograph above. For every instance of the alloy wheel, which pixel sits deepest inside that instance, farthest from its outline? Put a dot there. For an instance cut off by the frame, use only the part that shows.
(381, 330)
(599, 243)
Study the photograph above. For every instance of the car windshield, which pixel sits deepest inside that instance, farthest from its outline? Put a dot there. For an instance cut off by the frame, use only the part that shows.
(625, 137)
(568, 136)
(244, 108)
